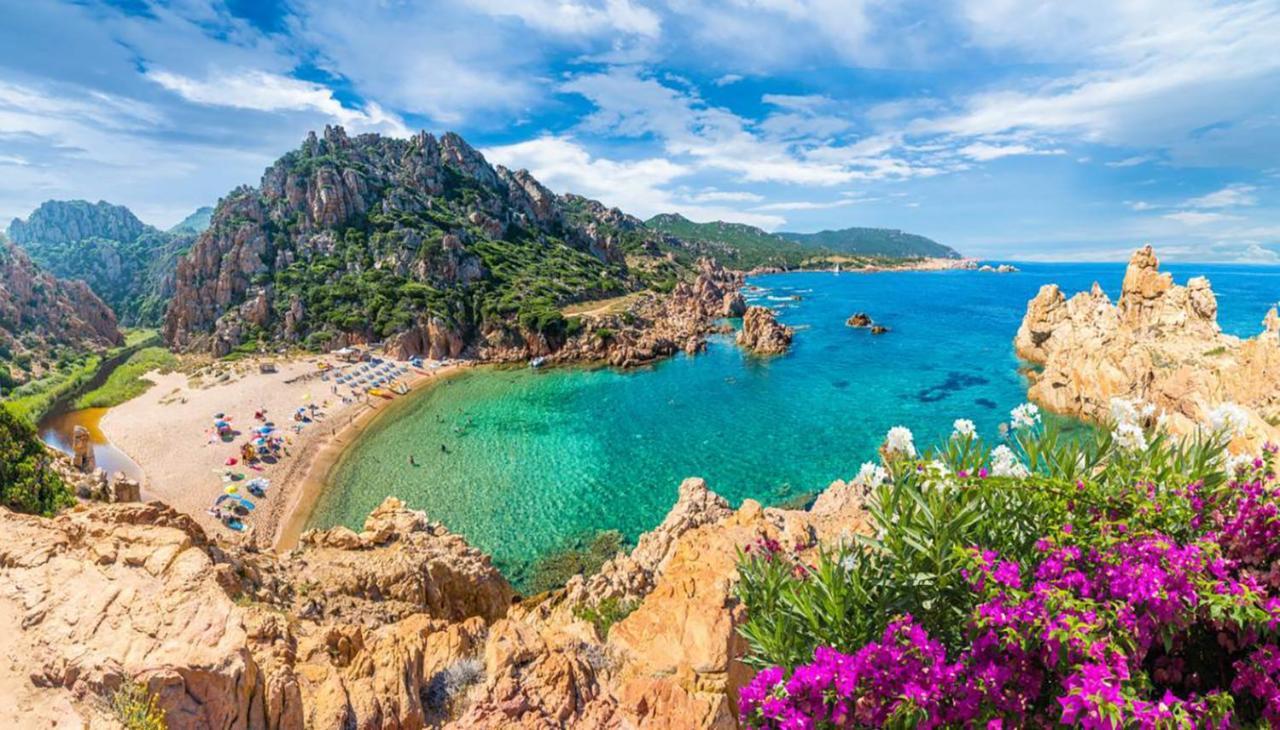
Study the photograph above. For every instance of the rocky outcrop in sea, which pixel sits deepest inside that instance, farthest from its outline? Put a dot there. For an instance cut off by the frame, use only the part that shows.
(1160, 343)
(399, 625)
(762, 333)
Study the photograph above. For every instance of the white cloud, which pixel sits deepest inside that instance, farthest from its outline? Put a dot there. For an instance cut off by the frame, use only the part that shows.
(636, 186)
(440, 69)
(806, 205)
(577, 18)
(1140, 205)
(725, 196)
(261, 91)
(1195, 218)
(1160, 73)
(1131, 161)
(727, 79)
(1231, 196)
(983, 152)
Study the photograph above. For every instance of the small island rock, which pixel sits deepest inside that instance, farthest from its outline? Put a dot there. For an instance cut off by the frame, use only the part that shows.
(762, 333)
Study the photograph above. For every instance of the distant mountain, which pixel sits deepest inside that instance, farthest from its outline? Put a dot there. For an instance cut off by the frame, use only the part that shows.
(735, 245)
(420, 240)
(196, 223)
(742, 246)
(874, 242)
(126, 262)
(43, 318)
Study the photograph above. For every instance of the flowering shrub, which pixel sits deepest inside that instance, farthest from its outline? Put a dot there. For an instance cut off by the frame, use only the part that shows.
(1098, 582)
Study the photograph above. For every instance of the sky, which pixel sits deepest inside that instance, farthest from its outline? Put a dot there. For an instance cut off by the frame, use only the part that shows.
(1009, 129)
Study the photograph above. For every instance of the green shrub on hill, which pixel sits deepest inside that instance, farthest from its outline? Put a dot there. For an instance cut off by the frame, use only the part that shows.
(28, 482)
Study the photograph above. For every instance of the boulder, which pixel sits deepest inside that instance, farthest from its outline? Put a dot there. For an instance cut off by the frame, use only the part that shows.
(762, 333)
(82, 457)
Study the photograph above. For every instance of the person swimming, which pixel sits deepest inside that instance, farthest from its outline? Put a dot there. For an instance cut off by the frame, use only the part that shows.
(412, 461)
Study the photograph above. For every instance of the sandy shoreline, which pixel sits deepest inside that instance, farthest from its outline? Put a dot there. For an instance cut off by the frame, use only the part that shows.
(167, 432)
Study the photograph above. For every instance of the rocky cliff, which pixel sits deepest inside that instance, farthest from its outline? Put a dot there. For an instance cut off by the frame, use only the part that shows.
(41, 315)
(401, 625)
(369, 238)
(1159, 344)
(127, 263)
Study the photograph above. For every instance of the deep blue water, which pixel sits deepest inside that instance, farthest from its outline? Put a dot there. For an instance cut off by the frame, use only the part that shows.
(536, 459)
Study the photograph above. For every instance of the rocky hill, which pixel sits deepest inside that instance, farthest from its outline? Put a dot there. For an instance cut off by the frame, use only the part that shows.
(736, 245)
(401, 625)
(43, 317)
(196, 223)
(888, 242)
(1159, 344)
(746, 247)
(127, 263)
(363, 239)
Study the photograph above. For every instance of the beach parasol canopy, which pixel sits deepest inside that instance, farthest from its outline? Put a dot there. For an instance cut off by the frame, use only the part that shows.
(231, 489)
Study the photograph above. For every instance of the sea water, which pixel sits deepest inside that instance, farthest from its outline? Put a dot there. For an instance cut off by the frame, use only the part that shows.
(525, 462)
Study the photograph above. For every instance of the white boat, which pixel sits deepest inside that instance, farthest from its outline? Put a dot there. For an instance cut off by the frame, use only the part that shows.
(537, 362)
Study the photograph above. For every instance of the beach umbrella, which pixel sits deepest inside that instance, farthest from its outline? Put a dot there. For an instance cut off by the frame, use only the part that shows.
(231, 489)
(231, 461)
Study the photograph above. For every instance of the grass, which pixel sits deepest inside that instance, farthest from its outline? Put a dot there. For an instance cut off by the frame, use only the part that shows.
(126, 382)
(32, 400)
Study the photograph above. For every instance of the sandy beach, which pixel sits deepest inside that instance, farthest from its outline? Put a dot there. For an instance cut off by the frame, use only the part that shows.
(168, 432)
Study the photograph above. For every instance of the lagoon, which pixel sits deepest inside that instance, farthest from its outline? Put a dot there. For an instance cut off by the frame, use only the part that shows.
(524, 463)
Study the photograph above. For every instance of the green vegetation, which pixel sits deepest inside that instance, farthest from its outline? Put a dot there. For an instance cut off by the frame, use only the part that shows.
(742, 246)
(128, 264)
(735, 245)
(32, 400)
(885, 242)
(926, 521)
(28, 482)
(135, 708)
(604, 614)
(69, 372)
(126, 382)
(583, 556)
(1047, 580)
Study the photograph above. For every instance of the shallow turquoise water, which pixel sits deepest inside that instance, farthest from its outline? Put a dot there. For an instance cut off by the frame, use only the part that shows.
(536, 459)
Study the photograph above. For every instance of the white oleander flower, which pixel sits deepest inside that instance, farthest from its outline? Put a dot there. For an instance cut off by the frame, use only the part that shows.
(871, 475)
(1026, 415)
(900, 441)
(963, 428)
(1229, 418)
(1129, 436)
(1124, 410)
(1239, 464)
(1004, 463)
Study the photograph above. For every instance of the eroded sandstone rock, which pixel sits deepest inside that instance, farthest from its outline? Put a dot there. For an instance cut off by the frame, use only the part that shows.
(1160, 343)
(762, 333)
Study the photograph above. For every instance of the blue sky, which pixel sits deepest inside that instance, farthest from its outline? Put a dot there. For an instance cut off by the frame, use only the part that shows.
(1019, 129)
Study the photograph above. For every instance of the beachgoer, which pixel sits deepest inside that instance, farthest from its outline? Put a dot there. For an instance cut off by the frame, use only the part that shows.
(411, 461)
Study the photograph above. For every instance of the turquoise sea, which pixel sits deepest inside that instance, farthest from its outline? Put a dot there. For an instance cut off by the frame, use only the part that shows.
(535, 461)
